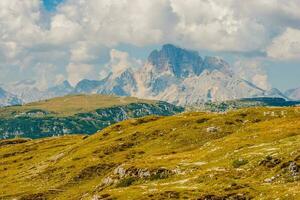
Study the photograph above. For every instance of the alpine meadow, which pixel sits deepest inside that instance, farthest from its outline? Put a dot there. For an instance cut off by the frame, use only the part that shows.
(149, 99)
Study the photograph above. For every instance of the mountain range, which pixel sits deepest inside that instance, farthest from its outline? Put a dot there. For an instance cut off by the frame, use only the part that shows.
(7, 99)
(293, 93)
(171, 74)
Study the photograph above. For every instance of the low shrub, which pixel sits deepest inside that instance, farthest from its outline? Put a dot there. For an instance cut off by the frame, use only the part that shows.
(126, 182)
(238, 163)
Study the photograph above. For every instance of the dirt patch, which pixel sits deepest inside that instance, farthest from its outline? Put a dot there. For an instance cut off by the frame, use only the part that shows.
(37, 196)
(232, 196)
(270, 162)
(14, 141)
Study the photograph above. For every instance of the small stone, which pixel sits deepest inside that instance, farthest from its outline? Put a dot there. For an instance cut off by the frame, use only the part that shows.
(212, 129)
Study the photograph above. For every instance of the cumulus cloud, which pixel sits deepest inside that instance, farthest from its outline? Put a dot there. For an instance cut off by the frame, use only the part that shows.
(74, 36)
(214, 25)
(286, 46)
(120, 60)
(77, 72)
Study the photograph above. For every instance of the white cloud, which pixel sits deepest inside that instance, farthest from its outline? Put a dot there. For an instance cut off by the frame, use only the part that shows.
(45, 73)
(213, 25)
(120, 60)
(63, 30)
(73, 37)
(77, 72)
(286, 46)
(59, 78)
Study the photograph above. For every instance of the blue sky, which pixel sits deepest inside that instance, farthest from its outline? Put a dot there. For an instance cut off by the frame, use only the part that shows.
(50, 5)
(78, 39)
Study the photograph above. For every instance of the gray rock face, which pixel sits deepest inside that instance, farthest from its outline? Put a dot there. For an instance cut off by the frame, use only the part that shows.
(61, 89)
(87, 86)
(182, 63)
(121, 84)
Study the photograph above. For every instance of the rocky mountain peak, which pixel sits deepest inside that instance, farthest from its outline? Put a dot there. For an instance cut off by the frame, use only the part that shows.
(216, 63)
(87, 86)
(181, 62)
(61, 89)
(66, 84)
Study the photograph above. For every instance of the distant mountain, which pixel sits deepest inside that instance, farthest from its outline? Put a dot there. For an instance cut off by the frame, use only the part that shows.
(87, 86)
(293, 93)
(7, 99)
(181, 77)
(28, 91)
(60, 90)
(171, 74)
(274, 92)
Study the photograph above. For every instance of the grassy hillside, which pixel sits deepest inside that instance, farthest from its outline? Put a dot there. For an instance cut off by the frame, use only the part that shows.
(76, 114)
(250, 153)
(72, 104)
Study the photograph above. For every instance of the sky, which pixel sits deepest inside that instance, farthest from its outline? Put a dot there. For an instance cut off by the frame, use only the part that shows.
(55, 40)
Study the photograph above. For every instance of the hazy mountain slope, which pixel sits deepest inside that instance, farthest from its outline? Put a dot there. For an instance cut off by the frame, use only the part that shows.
(293, 93)
(171, 74)
(7, 99)
(60, 90)
(181, 77)
(76, 114)
(28, 91)
(244, 154)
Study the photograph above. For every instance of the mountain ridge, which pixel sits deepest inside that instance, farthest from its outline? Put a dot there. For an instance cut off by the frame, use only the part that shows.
(293, 93)
(8, 99)
(173, 74)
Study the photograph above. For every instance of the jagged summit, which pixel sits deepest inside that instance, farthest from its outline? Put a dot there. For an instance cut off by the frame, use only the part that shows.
(181, 62)
(61, 89)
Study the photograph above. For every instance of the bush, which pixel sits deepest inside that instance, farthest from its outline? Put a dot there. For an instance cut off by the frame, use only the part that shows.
(202, 120)
(126, 182)
(238, 163)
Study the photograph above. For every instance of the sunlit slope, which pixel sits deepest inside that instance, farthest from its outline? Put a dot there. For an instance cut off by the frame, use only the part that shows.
(72, 104)
(244, 154)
